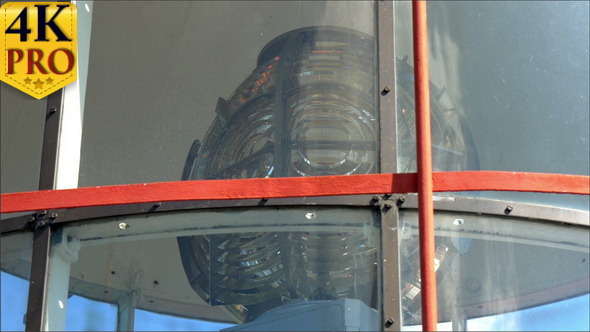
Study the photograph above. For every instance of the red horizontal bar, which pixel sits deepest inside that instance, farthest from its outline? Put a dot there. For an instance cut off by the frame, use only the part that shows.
(370, 184)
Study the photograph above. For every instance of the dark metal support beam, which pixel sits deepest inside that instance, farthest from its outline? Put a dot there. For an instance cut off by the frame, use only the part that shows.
(390, 258)
(386, 80)
(38, 280)
(53, 116)
(42, 236)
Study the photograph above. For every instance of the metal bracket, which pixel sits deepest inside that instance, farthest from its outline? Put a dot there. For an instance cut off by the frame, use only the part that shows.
(388, 201)
(42, 219)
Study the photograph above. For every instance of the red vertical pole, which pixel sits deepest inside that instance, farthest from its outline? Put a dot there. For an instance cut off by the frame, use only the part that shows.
(424, 154)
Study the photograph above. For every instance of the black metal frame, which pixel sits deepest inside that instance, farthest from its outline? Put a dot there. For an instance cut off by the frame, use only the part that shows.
(38, 222)
(391, 311)
(389, 207)
(485, 206)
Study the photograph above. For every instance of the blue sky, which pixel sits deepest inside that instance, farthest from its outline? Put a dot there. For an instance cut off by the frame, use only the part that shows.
(570, 315)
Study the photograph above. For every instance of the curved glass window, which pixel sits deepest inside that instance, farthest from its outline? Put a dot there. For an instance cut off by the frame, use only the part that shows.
(498, 273)
(243, 88)
(16, 266)
(307, 268)
(22, 123)
(518, 73)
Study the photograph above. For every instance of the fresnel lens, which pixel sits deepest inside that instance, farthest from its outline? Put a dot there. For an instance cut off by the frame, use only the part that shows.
(308, 109)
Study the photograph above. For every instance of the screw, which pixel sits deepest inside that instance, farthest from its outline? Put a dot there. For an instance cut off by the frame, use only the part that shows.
(385, 91)
(52, 110)
(42, 213)
(473, 285)
(400, 201)
(508, 210)
(123, 225)
(389, 322)
(31, 219)
(53, 215)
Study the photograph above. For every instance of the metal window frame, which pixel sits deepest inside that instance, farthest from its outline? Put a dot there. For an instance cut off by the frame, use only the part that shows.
(42, 223)
(388, 205)
(460, 204)
(36, 302)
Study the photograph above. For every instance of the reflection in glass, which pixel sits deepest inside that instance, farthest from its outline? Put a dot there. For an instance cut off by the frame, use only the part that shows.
(452, 146)
(144, 109)
(522, 83)
(307, 110)
(492, 266)
(236, 272)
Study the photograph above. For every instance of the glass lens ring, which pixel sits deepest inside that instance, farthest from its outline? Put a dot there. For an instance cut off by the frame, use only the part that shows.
(247, 143)
(331, 127)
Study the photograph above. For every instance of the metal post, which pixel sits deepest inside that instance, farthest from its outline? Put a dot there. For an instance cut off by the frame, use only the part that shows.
(37, 283)
(390, 260)
(126, 312)
(42, 238)
(387, 95)
(64, 252)
(53, 116)
(424, 153)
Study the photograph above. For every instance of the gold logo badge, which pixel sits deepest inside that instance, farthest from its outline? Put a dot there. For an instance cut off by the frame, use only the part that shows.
(39, 49)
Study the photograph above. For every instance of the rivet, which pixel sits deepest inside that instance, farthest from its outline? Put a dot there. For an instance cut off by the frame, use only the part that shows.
(123, 225)
(508, 210)
(385, 91)
(389, 322)
(473, 285)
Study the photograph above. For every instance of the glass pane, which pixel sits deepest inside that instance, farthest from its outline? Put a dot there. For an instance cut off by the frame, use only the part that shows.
(575, 202)
(88, 315)
(234, 269)
(567, 315)
(22, 121)
(150, 321)
(500, 271)
(283, 88)
(516, 72)
(16, 265)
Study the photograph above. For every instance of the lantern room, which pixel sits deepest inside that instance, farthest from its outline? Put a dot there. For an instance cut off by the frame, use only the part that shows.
(304, 166)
